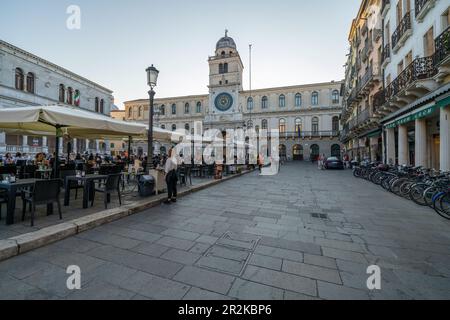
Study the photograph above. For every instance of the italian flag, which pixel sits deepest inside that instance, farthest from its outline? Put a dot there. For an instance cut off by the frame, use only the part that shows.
(77, 98)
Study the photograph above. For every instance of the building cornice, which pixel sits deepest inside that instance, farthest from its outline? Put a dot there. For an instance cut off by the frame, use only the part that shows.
(49, 64)
(206, 96)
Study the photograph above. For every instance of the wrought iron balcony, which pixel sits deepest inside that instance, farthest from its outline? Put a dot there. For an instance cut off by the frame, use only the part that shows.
(385, 5)
(386, 54)
(353, 123)
(422, 8)
(363, 116)
(377, 34)
(352, 97)
(419, 69)
(367, 50)
(442, 50)
(344, 133)
(308, 134)
(402, 30)
(379, 99)
(364, 28)
(365, 80)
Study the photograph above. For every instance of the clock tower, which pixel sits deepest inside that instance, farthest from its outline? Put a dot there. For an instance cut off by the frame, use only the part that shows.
(225, 83)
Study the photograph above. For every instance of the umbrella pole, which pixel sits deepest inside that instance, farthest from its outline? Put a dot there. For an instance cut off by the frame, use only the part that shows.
(129, 149)
(56, 162)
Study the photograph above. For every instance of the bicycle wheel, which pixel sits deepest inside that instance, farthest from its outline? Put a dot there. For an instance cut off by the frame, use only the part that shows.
(428, 195)
(444, 204)
(375, 177)
(405, 188)
(395, 185)
(416, 194)
(386, 183)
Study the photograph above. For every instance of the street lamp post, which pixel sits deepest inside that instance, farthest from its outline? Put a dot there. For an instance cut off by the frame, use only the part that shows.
(152, 78)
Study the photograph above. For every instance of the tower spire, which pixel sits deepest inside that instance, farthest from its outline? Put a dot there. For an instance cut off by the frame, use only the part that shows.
(226, 32)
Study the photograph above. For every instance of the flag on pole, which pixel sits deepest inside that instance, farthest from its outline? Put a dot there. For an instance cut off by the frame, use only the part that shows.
(77, 98)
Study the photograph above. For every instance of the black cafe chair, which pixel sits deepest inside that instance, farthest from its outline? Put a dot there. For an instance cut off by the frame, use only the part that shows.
(73, 185)
(111, 185)
(44, 192)
(29, 171)
(8, 169)
(181, 173)
(185, 175)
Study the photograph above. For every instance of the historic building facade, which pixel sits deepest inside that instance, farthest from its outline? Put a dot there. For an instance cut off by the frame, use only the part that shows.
(307, 116)
(361, 134)
(410, 111)
(28, 80)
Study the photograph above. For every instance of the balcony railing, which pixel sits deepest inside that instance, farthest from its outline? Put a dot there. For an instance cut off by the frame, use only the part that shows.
(308, 134)
(366, 51)
(420, 6)
(419, 69)
(385, 4)
(223, 56)
(365, 79)
(442, 43)
(377, 34)
(353, 123)
(352, 96)
(364, 28)
(344, 133)
(363, 116)
(28, 149)
(403, 27)
(379, 100)
(386, 54)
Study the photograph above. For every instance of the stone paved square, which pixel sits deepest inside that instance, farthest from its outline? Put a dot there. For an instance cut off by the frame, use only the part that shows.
(126, 258)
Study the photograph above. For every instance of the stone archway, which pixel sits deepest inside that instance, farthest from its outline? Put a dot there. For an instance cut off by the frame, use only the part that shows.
(315, 152)
(335, 150)
(297, 152)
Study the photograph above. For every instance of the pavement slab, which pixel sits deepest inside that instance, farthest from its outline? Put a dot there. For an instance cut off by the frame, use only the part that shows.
(302, 234)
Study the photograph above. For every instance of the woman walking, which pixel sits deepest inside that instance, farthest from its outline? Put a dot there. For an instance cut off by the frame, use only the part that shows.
(171, 177)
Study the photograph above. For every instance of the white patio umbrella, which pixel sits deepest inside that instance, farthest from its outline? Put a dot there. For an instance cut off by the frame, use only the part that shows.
(74, 122)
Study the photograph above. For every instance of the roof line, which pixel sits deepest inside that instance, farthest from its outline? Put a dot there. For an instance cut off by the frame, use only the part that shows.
(13, 47)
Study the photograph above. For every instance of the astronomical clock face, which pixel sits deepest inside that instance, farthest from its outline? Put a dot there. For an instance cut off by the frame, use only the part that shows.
(223, 102)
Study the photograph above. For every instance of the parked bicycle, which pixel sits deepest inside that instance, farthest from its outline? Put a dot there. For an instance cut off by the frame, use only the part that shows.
(426, 187)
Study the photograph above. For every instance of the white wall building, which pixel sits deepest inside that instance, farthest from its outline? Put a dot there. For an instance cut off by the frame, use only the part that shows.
(28, 80)
(416, 61)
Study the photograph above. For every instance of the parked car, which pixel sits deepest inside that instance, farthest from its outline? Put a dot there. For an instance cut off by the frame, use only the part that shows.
(334, 163)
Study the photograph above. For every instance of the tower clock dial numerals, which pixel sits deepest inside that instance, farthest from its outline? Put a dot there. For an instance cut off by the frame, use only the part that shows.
(223, 101)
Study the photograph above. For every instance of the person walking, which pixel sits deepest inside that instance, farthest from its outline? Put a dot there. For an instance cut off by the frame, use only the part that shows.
(171, 177)
(346, 161)
(260, 162)
(319, 162)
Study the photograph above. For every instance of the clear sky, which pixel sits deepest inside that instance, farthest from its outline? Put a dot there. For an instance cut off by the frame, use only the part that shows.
(294, 41)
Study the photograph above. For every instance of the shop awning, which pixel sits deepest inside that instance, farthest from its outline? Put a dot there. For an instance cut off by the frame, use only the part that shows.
(413, 116)
(444, 102)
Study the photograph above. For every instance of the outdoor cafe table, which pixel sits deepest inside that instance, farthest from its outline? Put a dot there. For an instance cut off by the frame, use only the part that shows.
(44, 173)
(88, 185)
(12, 189)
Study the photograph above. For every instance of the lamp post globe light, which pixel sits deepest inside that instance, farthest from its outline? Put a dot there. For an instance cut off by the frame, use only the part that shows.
(152, 79)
